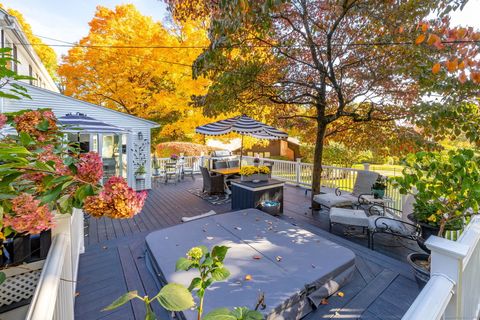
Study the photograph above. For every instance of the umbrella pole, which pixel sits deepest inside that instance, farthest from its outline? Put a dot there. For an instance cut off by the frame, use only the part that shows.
(241, 152)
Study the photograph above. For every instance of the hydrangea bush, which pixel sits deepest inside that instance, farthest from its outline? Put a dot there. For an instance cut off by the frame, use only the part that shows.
(41, 173)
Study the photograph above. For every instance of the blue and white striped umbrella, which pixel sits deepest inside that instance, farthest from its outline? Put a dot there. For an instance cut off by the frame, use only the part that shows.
(243, 125)
(80, 122)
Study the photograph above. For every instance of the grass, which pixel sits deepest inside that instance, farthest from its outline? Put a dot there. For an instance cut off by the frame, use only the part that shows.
(389, 170)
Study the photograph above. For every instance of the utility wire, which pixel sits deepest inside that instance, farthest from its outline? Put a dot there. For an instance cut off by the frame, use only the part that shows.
(357, 44)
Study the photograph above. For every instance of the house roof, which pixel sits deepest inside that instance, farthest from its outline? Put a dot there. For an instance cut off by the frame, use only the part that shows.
(30, 88)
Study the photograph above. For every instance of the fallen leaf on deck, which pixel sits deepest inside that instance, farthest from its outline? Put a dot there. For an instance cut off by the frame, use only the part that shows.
(77, 294)
(238, 228)
(209, 238)
(313, 266)
(248, 277)
(340, 294)
(324, 301)
(257, 257)
(279, 258)
(104, 247)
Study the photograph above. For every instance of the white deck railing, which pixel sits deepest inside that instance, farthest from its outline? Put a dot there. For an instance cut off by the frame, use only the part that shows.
(300, 174)
(55, 293)
(453, 291)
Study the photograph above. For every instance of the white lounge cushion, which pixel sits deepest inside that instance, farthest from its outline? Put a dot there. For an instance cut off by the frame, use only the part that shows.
(349, 217)
(332, 200)
(392, 225)
(200, 216)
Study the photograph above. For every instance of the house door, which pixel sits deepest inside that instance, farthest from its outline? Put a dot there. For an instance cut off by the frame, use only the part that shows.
(114, 155)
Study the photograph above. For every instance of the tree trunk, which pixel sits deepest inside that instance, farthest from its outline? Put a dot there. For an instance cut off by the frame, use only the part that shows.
(317, 160)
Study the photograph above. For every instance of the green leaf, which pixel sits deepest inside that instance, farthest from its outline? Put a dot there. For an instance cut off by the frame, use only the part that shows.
(220, 274)
(220, 252)
(51, 195)
(83, 192)
(25, 139)
(44, 125)
(183, 264)
(3, 277)
(204, 249)
(194, 284)
(219, 314)
(175, 297)
(122, 300)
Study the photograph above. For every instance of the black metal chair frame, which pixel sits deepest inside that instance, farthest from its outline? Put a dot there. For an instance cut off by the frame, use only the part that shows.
(386, 229)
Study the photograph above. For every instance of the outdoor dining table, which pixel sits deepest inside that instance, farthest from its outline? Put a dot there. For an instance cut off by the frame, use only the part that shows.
(227, 172)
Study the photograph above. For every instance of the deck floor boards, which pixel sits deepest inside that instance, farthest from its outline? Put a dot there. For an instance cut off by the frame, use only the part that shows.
(382, 286)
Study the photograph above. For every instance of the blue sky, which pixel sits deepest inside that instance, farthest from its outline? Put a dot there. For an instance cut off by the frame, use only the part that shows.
(68, 19)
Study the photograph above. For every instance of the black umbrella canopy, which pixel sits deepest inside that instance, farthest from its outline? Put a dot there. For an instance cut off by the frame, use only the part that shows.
(242, 125)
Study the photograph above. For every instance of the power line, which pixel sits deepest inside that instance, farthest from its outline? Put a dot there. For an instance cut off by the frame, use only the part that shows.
(358, 44)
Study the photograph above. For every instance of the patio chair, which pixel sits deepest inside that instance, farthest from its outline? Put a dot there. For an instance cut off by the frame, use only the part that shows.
(363, 185)
(188, 171)
(171, 171)
(400, 227)
(212, 183)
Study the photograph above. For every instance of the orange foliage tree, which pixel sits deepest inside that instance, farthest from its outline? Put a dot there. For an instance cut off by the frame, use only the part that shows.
(127, 63)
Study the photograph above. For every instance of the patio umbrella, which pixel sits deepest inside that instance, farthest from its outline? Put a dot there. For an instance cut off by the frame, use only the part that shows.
(242, 125)
(80, 122)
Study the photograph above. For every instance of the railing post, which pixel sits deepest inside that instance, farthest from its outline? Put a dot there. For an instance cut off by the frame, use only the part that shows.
(366, 166)
(447, 261)
(298, 171)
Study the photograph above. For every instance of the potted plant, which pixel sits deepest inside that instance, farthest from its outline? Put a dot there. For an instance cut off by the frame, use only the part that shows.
(254, 174)
(156, 166)
(141, 173)
(43, 178)
(379, 187)
(445, 188)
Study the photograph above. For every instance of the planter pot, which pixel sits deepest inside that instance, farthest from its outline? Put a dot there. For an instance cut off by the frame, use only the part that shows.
(156, 171)
(40, 244)
(17, 249)
(141, 176)
(378, 193)
(254, 177)
(427, 231)
(418, 262)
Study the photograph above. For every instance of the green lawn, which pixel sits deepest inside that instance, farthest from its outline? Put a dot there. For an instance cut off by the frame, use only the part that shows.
(389, 170)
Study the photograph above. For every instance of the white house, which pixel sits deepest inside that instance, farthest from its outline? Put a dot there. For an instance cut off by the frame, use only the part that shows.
(118, 150)
(29, 64)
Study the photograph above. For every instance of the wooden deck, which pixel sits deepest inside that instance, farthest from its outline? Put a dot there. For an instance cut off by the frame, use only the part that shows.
(383, 286)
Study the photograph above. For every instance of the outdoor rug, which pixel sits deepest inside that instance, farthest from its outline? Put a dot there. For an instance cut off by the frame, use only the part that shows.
(215, 199)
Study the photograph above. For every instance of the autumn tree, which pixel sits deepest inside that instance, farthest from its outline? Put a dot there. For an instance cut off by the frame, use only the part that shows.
(44, 52)
(130, 63)
(334, 60)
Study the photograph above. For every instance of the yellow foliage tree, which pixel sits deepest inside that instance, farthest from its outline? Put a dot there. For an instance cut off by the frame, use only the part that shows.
(45, 53)
(127, 63)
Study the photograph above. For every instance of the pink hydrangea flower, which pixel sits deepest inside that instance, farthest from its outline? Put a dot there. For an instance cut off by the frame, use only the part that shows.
(117, 200)
(28, 215)
(28, 122)
(3, 120)
(90, 167)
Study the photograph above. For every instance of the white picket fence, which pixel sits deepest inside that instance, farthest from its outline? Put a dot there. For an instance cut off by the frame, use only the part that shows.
(453, 291)
(54, 297)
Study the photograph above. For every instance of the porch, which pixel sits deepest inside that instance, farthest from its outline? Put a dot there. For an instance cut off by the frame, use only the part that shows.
(383, 286)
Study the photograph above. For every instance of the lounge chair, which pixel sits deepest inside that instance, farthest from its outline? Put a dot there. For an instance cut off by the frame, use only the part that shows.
(212, 183)
(394, 225)
(363, 185)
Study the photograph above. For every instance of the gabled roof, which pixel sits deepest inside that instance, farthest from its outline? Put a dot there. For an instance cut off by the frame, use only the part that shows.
(30, 88)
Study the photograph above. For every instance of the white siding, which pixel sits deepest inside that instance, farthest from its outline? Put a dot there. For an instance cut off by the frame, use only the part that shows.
(62, 105)
(27, 57)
